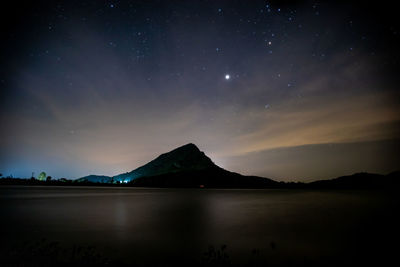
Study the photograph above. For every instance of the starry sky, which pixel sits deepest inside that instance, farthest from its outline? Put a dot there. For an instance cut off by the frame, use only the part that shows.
(291, 90)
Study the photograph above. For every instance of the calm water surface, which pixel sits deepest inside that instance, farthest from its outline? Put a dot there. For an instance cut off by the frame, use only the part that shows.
(156, 225)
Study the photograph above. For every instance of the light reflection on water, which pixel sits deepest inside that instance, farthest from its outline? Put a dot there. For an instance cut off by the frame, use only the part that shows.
(158, 223)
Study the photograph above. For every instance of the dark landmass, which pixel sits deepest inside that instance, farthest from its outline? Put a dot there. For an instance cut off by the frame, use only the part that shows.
(96, 179)
(188, 167)
(217, 179)
(185, 166)
(360, 180)
(182, 159)
(209, 178)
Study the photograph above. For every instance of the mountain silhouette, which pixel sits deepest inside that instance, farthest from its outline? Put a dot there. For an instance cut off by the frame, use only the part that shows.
(185, 166)
(182, 159)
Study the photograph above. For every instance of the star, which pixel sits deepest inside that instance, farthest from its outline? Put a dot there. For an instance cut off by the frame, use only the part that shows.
(227, 76)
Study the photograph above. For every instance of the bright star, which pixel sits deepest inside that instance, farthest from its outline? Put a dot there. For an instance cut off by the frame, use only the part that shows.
(227, 77)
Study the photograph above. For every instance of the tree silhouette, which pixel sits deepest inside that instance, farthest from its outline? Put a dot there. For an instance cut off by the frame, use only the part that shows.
(42, 176)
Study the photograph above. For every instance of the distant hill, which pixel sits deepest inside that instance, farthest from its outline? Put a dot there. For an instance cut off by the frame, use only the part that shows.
(185, 166)
(360, 180)
(96, 179)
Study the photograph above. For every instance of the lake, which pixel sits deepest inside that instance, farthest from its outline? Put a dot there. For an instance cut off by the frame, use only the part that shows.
(157, 226)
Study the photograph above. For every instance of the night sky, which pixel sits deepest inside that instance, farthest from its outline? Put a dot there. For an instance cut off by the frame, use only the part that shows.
(288, 90)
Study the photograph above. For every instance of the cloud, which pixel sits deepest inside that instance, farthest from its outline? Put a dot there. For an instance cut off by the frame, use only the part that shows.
(320, 161)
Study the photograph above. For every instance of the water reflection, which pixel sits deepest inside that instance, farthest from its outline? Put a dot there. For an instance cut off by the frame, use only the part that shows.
(162, 224)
